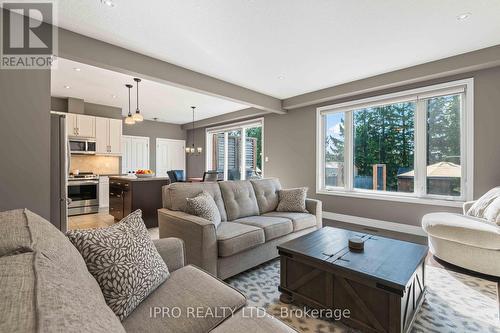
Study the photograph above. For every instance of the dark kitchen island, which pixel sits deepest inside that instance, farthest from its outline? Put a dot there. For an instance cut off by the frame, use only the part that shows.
(127, 194)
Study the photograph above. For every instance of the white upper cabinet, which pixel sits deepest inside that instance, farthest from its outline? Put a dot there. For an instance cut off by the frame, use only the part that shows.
(86, 126)
(81, 126)
(108, 136)
(71, 126)
(101, 135)
(115, 136)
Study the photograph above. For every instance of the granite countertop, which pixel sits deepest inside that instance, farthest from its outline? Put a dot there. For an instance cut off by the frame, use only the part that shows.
(134, 179)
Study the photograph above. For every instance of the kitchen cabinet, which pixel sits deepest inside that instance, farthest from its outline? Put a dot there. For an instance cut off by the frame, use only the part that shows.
(80, 126)
(128, 194)
(108, 136)
(103, 191)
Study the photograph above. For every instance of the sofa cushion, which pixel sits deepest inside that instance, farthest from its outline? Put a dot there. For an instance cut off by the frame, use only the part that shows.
(204, 206)
(292, 200)
(463, 229)
(123, 260)
(175, 194)
(300, 220)
(492, 213)
(266, 193)
(40, 295)
(22, 230)
(253, 320)
(239, 199)
(188, 289)
(273, 227)
(233, 238)
(479, 207)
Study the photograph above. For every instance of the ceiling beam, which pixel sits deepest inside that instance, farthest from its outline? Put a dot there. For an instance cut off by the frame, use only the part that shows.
(225, 118)
(462, 63)
(97, 53)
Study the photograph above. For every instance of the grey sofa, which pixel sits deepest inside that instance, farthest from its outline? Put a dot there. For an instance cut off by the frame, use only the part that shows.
(45, 287)
(251, 228)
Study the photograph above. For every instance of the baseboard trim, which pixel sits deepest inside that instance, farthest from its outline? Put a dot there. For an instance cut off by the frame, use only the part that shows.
(386, 225)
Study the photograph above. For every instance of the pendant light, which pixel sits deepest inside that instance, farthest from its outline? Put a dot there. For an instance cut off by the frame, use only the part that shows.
(137, 115)
(192, 149)
(129, 120)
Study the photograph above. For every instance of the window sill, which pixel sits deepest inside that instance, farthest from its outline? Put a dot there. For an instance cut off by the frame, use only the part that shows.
(397, 198)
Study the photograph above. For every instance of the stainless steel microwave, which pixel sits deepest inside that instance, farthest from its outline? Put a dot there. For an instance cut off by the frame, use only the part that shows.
(82, 146)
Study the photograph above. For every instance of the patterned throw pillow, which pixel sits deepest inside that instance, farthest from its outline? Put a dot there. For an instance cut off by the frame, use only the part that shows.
(292, 200)
(123, 260)
(203, 205)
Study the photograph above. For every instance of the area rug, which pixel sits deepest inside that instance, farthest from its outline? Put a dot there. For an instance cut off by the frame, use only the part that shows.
(454, 302)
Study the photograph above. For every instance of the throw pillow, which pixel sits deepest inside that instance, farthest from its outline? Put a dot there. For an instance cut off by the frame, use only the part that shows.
(123, 260)
(480, 206)
(292, 200)
(492, 212)
(203, 205)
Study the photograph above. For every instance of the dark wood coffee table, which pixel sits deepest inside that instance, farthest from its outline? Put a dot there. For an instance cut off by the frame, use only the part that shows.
(383, 286)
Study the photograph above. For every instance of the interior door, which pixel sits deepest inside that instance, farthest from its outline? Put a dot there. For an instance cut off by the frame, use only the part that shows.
(162, 164)
(140, 153)
(126, 154)
(135, 153)
(115, 136)
(86, 126)
(170, 155)
(177, 155)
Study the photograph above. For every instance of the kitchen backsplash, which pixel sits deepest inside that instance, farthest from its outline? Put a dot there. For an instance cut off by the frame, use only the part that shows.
(97, 164)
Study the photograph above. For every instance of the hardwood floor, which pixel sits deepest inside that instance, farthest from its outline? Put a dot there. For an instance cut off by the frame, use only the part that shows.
(90, 221)
(99, 220)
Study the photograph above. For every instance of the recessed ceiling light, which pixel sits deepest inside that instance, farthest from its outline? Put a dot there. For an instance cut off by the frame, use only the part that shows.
(67, 87)
(281, 77)
(76, 69)
(113, 96)
(108, 3)
(463, 16)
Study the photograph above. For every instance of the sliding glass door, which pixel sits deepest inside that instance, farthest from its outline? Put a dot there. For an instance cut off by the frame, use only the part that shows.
(235, 151)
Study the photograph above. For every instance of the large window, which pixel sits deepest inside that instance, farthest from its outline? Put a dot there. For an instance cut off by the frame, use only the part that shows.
(412, 144)
(235, 150)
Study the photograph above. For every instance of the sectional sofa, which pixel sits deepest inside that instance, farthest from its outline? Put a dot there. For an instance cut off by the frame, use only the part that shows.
(45, 287)
(251, 227)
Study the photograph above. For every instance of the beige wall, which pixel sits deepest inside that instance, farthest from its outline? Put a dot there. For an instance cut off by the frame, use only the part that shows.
(25, 140)
(195, 164)
(290, 143)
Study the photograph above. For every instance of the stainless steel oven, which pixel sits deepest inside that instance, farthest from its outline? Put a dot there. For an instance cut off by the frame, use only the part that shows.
(83, 195)
(82, 146)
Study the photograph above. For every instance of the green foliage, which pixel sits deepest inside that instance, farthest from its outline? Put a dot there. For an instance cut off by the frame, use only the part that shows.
(443, 129)
(384, 135)
(256, 132)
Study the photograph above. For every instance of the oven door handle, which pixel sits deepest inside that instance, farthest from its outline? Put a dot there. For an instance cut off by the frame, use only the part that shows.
(82, 182)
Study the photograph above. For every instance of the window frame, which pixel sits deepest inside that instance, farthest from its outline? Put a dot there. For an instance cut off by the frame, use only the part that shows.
(242, 125)
(419, 96)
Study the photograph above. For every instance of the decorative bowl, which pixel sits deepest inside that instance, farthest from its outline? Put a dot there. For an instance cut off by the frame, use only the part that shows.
(145, 175)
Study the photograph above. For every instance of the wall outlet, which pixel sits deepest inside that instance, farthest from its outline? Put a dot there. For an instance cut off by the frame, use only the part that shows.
(266, 159)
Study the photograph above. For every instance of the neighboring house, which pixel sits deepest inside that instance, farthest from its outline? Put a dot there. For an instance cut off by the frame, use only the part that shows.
(442, 178)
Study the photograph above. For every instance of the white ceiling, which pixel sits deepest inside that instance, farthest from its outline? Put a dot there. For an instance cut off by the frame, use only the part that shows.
(167, 103)
(288, 47)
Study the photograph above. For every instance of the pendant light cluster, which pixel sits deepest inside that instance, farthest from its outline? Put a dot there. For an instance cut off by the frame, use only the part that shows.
(137, 116)
(192, 150)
